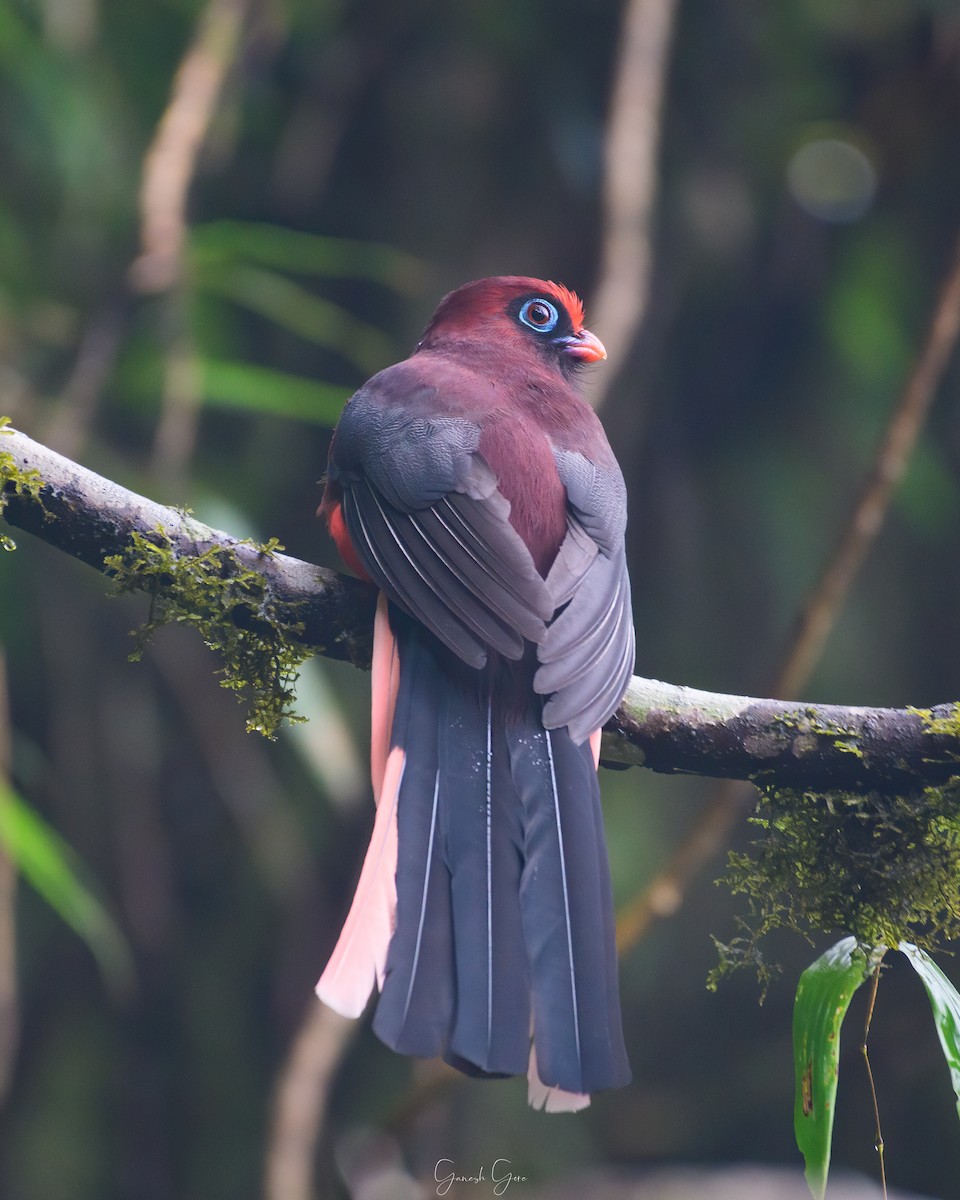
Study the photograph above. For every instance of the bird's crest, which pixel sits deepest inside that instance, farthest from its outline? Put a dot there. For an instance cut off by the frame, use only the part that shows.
(570, 301)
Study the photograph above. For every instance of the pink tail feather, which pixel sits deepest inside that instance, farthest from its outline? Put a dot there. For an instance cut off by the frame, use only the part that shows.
(595, 738)
(384, 681)
(359, 958)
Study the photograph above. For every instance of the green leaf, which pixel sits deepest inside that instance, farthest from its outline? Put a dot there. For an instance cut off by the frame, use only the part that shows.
(233, 384)
(945, 1002)
(824, 993)
(305, 253)
(293, 307)
(56, 872)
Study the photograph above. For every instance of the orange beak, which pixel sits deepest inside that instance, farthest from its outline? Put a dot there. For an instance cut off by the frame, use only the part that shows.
(584, 346)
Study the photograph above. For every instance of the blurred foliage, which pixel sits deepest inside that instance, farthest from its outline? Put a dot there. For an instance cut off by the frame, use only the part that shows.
(48, 864)
(363, 160)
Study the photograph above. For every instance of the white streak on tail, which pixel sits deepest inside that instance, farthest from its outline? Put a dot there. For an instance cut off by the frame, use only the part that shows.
(550, 1099)
(423, 897)
(360, 956)
(489, 866)
(566, 894)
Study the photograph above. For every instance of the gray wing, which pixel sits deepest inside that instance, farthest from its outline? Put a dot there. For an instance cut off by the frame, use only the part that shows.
(587, 653)
(425, 515)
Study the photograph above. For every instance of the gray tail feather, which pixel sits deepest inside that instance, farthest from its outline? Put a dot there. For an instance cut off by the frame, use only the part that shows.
(567, 904)
(504, 907)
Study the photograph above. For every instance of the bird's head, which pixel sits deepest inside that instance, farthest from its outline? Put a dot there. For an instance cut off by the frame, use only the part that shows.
(514, 312)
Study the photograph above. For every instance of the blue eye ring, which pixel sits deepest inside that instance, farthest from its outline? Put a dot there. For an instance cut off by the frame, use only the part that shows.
(539, 315)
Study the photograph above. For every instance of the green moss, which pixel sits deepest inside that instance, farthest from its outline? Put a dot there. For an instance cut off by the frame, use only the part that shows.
(884, 868)
(949, 724)
(848, 746)
(228, 602)
(14, 481)
(811, 720)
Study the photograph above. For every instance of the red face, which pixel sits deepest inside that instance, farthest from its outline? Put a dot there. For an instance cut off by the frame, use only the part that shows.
(518, 310)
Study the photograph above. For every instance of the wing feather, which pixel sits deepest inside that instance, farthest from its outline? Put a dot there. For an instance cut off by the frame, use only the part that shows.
(425, 514)
(586, 656)
(396, 570)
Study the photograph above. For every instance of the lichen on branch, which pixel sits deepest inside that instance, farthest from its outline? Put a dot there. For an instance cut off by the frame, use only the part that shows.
(228, 602)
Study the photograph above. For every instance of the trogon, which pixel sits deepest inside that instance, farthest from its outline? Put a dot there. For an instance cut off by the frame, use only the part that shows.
(475, 487)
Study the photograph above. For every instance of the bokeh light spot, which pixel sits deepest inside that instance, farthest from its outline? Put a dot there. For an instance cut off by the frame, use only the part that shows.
(832, 179)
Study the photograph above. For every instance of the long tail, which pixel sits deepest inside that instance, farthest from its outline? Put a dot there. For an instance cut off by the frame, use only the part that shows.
(457, 980)
(504, 913)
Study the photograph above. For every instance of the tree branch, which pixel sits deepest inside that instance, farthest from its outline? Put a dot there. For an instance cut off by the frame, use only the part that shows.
(820, 747)
(91, 518)
(662, 726)
(630, 179)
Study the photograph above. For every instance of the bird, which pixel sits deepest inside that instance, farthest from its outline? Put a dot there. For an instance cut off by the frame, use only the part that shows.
(474, 486)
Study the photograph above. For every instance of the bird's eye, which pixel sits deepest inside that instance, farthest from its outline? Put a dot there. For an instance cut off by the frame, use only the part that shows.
(539, 315)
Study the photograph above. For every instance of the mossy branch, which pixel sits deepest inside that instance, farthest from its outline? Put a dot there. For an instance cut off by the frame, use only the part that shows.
(93, 518)
(662, 726)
